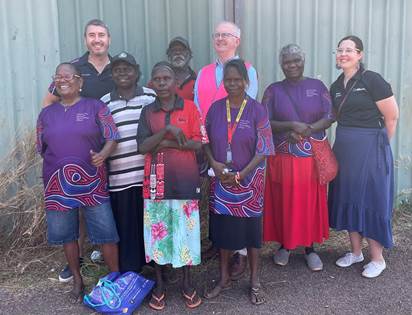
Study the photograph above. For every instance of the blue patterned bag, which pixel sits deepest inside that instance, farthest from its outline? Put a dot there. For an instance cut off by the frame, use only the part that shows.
(118, 293)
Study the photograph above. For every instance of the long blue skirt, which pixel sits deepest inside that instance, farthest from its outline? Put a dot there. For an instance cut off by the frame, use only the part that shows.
(361, 196)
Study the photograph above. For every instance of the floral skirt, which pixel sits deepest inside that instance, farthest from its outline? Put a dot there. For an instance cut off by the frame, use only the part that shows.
(172, 232)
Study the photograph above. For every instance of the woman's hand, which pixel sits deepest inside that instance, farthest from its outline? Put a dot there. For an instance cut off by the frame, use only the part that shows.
(229, 179)
(97, 158)
(294, 137)
(178, 134)
(301, 128)
(218, 168)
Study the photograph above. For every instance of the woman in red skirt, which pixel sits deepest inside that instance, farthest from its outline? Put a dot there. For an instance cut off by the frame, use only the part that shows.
(295, 207)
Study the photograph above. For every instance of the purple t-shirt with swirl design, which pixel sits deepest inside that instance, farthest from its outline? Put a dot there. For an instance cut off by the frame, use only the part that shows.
(65, 137)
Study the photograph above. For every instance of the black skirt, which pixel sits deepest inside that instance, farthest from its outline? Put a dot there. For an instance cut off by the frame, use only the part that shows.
(127, 206)
(233, 233)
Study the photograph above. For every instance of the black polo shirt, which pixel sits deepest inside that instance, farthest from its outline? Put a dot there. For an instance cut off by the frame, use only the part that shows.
(95, 84)
(359, 109)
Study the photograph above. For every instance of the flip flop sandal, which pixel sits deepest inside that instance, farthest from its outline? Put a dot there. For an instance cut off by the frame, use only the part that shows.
(193, 300)
(217, 290)
(157, 302)
(256, 296)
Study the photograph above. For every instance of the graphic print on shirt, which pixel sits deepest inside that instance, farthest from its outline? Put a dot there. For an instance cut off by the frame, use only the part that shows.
(239, 201)
(73, 186)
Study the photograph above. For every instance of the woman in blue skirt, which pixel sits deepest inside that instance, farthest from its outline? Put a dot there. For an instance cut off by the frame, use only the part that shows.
(361, 196)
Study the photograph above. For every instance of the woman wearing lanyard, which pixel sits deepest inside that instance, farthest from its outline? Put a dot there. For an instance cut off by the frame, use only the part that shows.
(240, 137)
(361, 196)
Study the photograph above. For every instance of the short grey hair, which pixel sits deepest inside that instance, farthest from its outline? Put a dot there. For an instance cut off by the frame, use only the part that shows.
(96, 22)
(289, 50)
(236, 28)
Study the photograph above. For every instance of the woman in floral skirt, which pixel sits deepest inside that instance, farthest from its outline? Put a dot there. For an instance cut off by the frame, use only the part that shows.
(169, 132)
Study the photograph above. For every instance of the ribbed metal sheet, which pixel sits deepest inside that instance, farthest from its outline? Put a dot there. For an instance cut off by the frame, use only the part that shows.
(37, 34)
(29, 50)
(317, 26)
(143, 27)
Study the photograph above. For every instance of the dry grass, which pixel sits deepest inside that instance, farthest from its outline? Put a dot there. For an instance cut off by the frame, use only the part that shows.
(22, 218)
(21, 200)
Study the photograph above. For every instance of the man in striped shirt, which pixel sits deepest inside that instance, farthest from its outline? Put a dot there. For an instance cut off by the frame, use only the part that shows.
(126, 165)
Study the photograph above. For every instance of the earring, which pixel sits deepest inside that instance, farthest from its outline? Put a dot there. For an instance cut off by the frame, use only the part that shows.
(80, 89)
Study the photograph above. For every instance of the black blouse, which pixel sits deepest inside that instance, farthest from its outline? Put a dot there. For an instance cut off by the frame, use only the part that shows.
(359, 109)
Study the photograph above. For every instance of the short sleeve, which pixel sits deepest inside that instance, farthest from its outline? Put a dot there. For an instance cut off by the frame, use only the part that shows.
(252, 89)
(264, 143)
(268, 100)
(326, 102)
(107, 126)
(208, 120)
(40, 145)
(377, 87)
(196, 90)
(143, 130)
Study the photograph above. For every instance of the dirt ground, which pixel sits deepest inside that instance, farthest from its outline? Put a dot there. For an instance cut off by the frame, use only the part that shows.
(292, 289)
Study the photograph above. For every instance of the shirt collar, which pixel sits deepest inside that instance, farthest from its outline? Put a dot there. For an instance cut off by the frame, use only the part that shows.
(355, 77)
(114, 95)
(85, 58)
(219, 63)
(179, 102)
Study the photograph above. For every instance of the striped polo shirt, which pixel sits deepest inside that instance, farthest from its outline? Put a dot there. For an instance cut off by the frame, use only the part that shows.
(126, 165)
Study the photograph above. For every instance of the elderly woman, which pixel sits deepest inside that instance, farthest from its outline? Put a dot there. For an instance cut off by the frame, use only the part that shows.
(361, 196)
(169, 132)
(296, 211)
(74, 137)
(240, 137)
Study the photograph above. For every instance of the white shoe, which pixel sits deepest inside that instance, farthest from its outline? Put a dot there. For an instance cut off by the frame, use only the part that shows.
(349, 259)
(373, 269)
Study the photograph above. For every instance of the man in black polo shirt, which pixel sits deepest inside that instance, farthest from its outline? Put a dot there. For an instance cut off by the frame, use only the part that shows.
(94, 67)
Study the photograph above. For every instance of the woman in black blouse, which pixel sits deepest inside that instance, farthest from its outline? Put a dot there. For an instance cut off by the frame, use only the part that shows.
(361, 196)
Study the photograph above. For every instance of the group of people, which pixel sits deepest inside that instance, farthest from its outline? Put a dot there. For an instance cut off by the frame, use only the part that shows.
(124, 161)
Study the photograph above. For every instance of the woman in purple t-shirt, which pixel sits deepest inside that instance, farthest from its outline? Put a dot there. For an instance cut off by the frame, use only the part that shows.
(240, 139)
(74, 137)
(295, 211)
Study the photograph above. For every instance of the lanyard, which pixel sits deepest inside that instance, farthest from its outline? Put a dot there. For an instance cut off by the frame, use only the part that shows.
(231, 129)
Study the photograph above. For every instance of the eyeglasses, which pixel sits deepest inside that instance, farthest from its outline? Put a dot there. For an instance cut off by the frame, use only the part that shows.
(340, 51)
(223, 35)
(64, 77)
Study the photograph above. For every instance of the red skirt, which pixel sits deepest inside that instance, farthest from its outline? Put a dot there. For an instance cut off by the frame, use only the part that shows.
(295, 207)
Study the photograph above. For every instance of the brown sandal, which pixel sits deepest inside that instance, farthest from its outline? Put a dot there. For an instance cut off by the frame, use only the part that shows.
(157, 302)
(256, 295)
(193, 300)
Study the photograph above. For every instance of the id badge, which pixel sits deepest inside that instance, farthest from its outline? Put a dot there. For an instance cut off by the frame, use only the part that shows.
(229, 155)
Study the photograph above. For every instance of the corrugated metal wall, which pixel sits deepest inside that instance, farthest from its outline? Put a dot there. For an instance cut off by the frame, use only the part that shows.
(29, 42)
(144, 27)
(317, 26)
(37, 34)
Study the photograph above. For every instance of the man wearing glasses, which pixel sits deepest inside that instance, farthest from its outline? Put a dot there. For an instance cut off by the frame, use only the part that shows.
(94, 67)
(209, 84)
(209, 88)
